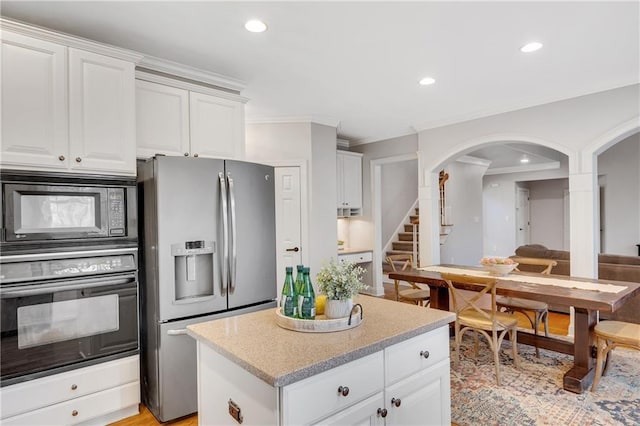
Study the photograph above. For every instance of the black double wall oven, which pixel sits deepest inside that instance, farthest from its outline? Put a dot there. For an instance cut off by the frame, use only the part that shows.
(68, 272)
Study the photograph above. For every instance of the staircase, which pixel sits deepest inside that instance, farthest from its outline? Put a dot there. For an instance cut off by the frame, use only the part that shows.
(404, 243)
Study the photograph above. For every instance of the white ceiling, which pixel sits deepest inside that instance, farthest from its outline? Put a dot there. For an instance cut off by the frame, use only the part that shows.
(358, 63)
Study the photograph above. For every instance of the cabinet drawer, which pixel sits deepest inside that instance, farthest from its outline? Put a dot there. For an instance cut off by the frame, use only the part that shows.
(315, 397)
(363, 257)
(39, 393)
(81, 409)
(405, 358)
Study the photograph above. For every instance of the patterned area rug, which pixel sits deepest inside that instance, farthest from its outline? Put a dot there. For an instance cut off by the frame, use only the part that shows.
(533, 395)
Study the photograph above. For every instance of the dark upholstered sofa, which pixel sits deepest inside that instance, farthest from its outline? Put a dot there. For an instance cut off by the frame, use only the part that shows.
(610, 267)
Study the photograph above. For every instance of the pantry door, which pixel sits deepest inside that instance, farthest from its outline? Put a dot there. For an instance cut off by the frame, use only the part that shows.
(288, 219)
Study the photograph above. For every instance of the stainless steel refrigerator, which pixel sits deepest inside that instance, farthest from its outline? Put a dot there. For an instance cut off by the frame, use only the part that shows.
(208, 244)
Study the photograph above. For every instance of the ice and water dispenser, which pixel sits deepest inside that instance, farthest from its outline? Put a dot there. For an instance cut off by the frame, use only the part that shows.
(193, 269)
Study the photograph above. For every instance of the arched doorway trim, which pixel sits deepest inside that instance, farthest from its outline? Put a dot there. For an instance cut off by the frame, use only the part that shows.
(606, 141)
(479, 142)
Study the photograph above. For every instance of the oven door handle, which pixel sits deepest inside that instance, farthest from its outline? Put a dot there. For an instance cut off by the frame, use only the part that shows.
(34, 290)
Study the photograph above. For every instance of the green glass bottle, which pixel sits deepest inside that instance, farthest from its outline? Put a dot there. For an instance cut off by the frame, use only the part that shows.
(306, 297)
(288, 300)
(299, 278)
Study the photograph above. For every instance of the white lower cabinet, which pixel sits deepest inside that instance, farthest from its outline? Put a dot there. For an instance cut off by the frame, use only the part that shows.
(422, 399)
(403, 384)
(366, 413)
(98, 394)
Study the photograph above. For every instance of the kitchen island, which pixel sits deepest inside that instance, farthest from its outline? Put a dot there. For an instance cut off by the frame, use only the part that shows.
(393, 368)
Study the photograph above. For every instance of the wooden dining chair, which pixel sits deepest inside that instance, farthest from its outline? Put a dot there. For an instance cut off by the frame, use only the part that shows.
(609, 335)
(536, 312)
(491, 323)
(415, 294)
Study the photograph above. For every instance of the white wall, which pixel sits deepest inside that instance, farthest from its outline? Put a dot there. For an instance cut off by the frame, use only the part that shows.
(464, 198)
(499, 197)
(546, 198)
(399, 188)
(619, 177)
(361, 229)
(323, 234)
(278, 141)
(314, 145)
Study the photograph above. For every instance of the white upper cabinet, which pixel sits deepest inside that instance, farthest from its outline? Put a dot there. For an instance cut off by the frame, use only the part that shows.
(65, 109)
(162, 120)
(184, 121)
(102, 113)
(217, 126)
(34, 102)
(349, 183)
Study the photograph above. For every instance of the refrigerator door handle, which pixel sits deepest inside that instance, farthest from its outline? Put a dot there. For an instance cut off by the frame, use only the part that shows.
(178, 332)
(234, 254)
(225, 234)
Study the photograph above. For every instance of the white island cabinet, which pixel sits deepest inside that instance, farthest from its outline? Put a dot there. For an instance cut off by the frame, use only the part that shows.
(392, 369)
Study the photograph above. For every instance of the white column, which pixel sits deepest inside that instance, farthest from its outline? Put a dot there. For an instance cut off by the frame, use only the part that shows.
(584, 228)
(428, 197)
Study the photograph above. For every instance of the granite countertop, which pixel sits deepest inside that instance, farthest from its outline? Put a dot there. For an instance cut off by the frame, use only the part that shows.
(280, 357)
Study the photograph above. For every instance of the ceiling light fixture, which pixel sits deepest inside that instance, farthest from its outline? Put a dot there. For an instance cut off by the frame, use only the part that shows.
(531, 47)
(427, 81)
(255, 26)
(524, 159)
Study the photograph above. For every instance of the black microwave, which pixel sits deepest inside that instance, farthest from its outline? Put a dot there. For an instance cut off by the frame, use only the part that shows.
(62, 208)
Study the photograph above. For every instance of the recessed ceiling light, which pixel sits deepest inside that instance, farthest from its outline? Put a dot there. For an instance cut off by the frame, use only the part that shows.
(427, 81)
(524, 159)
(255, 26)
(531, 47)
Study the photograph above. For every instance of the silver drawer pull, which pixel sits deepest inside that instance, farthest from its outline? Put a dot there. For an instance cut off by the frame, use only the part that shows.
(178, 332)
(424, 354)
(343, 390)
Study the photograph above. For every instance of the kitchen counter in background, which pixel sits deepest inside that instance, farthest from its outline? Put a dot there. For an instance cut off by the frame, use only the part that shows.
(353, 250)
(248, 360)
(361, 257)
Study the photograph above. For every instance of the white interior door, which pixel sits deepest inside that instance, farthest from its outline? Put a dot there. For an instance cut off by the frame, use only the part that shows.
(288, 219)
(523, 227)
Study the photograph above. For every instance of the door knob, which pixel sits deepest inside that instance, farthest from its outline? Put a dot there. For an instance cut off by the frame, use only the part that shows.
(295, 249)
(78, 159)
(61, 158)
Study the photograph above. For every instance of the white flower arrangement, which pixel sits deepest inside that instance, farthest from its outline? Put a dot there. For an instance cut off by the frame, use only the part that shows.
(340, 280)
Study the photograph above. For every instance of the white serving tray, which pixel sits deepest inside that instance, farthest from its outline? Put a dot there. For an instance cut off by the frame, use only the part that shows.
(321, 324)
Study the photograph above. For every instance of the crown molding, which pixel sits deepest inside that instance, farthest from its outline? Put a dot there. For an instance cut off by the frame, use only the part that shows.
(365, 141)
(468, 159)
(520, 169)
(194, 87)
(41, 33)
(325, 121)
(185, 71)
(342, 143)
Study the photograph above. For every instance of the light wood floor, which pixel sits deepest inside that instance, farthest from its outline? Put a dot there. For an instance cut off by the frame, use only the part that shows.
(558, 324)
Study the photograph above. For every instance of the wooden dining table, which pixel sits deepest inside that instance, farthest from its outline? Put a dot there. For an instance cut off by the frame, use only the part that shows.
(586, 303)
